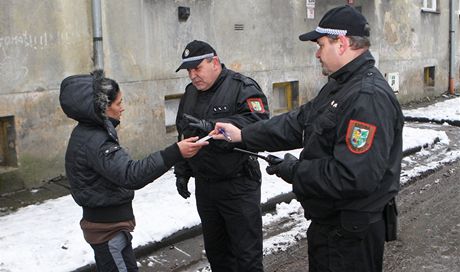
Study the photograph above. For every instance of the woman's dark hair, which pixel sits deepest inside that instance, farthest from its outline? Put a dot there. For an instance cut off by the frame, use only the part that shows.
(105, 91)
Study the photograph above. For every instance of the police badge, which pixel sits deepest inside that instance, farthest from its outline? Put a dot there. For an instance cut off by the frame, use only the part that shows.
(360, 136)
(256, 104)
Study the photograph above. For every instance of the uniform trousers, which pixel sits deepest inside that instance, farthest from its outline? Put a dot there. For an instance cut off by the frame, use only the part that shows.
(335, 249)
(232, 223)
(115, 255)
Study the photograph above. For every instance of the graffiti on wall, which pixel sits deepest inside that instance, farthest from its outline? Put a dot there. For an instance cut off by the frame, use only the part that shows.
(39, 41)
(18, 53)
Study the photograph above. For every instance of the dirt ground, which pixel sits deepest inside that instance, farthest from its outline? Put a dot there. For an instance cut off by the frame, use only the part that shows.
(429, 229)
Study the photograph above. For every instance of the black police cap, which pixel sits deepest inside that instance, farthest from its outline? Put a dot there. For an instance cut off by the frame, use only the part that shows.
(343, 20)
(194, 53)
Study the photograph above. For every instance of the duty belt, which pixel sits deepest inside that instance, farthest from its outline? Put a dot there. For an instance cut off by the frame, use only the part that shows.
(335, 220)
(220, 179)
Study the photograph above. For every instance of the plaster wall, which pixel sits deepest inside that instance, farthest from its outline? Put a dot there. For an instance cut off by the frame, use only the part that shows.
(42, 42)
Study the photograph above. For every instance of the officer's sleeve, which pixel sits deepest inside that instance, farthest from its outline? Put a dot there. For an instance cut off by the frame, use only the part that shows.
(360, 155)
(281, 132)
(180, 125)
(181, 168)
(116, 165)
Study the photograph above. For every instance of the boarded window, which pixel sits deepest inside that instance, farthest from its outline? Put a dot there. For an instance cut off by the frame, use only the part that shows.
(8, 157)
(285, 96)
(428, 76)
(171, 107)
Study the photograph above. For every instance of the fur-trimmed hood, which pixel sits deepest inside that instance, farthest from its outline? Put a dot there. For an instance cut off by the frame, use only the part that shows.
(81, 102)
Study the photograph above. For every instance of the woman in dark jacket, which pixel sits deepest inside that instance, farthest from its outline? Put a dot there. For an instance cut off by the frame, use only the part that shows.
(102, 175)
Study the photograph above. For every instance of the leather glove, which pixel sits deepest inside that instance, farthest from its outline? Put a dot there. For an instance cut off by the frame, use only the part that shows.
(201, 124)
(182, 187)
(284, 169)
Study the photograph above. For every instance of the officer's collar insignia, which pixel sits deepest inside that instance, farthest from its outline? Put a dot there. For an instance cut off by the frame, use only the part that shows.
(360, 136)
(334, 104)
(256, 104)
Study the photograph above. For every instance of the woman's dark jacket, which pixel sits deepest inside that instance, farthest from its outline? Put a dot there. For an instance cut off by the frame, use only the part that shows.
(102, 175)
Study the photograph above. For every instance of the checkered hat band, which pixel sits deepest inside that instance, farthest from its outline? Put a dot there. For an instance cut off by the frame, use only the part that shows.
(331, 31)
(210, 55)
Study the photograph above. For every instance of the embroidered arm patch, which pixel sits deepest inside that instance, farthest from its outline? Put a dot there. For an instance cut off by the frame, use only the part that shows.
(256, 104)
(360, 136)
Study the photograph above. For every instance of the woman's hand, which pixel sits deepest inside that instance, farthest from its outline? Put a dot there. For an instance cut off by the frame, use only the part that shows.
(189, 147)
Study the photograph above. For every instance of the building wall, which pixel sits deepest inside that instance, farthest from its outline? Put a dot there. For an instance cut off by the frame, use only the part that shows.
(44, 41)
(40, 43)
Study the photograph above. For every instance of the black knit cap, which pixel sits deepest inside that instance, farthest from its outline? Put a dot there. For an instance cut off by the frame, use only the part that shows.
(194, 53)
(343, 20)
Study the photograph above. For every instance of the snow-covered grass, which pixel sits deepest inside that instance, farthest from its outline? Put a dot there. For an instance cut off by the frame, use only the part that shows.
(47, 236)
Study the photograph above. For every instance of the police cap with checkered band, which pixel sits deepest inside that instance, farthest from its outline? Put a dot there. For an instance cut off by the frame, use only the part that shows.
(194, 53)
(343, 20)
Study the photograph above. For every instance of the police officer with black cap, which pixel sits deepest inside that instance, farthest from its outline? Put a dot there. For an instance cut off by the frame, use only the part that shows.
(348, 172)
(227, 182)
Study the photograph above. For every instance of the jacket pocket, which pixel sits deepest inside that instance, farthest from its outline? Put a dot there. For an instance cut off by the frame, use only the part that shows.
(354, 225)
(325, 122)
(320, 134)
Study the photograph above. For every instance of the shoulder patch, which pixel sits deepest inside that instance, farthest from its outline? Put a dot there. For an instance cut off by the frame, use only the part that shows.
(255, 105)
(360, 136)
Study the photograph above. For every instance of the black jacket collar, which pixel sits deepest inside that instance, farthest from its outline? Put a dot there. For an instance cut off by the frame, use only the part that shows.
(363, 61)
(219, 79)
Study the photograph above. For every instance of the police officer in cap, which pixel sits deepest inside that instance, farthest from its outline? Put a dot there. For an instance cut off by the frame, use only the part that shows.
(348, 172)
(227, 182)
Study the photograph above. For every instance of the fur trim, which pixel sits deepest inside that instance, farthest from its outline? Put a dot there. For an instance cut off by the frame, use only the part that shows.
(101, 86)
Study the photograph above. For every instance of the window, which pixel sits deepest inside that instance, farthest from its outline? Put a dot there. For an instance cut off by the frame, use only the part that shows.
(8, 156)
(285, 96)
(430, 6)
(428, 76)
(171, 107)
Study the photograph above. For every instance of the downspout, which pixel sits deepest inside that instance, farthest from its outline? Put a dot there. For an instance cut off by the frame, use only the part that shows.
(452, 44)
(98, 52)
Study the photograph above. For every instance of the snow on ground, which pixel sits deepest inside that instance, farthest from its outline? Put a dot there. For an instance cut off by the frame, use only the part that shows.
(47, 235)
(294, 223)
(414, 137)
(446, 110)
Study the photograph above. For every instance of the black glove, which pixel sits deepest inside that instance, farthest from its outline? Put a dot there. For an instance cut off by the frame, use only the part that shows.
(201, 124)
(182, 187)
(284, 169)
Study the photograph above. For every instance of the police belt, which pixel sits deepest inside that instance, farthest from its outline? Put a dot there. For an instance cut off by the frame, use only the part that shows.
(336, 219)
(220, 179)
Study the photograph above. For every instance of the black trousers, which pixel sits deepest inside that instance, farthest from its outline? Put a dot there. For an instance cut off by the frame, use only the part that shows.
(115, 255)
(332, 248)
(232, 223)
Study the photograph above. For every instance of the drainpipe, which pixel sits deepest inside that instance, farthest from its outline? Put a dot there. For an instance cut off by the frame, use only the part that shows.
(98, 56)
(452, 40)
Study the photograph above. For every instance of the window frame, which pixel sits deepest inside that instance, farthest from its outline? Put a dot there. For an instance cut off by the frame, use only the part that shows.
(433, 8)
(175, 98)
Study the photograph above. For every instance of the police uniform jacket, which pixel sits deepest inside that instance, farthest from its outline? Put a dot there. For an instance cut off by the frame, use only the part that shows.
(351, 135)
(101, 173)
(233, 98)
